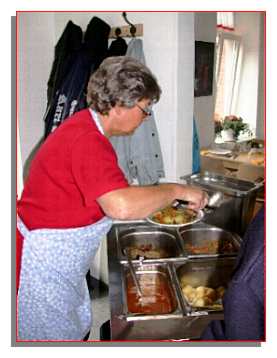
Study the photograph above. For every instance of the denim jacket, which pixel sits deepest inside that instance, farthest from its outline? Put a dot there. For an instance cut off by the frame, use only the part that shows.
(139, 155)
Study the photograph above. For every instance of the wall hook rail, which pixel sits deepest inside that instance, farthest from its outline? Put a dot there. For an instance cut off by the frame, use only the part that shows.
(132, 30)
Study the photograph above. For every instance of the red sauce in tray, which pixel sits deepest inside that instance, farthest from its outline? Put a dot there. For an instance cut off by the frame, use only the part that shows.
(156, 299)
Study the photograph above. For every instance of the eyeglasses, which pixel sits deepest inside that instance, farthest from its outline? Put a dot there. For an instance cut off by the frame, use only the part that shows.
(146, 111)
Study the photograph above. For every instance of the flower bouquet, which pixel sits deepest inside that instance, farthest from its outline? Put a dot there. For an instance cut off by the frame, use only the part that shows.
(235, 124)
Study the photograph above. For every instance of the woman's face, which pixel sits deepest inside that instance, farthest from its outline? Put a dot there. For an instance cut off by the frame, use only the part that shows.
(126, 120)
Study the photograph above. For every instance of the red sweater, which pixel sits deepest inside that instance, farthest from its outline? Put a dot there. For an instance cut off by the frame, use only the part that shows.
(73, 167)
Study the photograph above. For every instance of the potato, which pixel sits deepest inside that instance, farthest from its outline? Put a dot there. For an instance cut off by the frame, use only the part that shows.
(211, 294)
(167, 220)
(191, 296)
(179, 219)
(200, 302)
(200, 291)
(203, 302)
(189, 293)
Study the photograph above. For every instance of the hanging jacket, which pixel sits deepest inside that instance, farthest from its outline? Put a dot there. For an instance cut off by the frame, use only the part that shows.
(139, 154)
(65, 51)
(70, 96)
(118, 47)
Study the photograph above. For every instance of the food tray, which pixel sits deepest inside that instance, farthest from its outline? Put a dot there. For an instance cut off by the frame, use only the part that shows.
(148, 242)
(228, 185)
(209, 241)
(160, 299)
(212, 273)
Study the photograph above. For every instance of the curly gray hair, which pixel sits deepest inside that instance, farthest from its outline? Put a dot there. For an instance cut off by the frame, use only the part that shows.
(123, 81)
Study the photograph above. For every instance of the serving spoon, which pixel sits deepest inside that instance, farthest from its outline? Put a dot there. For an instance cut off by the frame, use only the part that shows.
(215, 200)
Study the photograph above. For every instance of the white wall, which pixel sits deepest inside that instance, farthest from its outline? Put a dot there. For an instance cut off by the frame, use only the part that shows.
(164, 50)
(260, 124)
(185, 93)
(35, 55)
(205, 30)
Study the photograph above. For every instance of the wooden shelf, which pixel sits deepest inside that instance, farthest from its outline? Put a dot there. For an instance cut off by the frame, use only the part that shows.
(125, 31)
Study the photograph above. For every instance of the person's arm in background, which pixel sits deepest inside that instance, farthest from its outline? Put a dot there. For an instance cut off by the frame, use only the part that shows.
(137, 202)
(243, 318)
(244, 299)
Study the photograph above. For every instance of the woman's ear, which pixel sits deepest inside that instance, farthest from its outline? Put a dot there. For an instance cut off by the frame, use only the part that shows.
(117, 110)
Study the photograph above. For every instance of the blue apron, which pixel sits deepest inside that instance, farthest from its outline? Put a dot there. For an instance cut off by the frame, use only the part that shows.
(53, 297)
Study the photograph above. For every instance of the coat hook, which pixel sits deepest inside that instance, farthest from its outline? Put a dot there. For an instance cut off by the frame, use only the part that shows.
(117, 32)
(133, 27)
(133, 30)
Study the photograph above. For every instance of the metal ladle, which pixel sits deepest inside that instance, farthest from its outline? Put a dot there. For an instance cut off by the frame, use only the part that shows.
(215, 200)
(133, 273)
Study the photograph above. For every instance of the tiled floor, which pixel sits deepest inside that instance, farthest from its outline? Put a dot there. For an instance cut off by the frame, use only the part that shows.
(100, 311)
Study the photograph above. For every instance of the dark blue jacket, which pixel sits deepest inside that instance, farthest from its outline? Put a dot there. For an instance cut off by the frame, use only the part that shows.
(244, 316)
(72, 68)
(66, 48)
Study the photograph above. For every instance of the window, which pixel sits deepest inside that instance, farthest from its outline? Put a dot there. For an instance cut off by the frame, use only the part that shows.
(228, 68)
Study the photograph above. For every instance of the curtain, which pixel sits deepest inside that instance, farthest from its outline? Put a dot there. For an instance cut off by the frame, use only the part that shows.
(228, 68)
(225, 21)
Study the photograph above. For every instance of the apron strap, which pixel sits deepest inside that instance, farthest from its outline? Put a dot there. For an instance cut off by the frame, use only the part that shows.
(22, 227)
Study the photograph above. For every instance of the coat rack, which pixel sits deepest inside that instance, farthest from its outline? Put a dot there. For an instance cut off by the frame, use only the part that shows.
(132, 30)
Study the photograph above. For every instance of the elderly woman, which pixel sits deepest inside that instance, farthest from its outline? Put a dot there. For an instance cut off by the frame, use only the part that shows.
(74, 190)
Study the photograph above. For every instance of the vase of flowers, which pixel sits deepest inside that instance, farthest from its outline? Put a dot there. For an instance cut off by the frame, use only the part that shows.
(227, 135)
(231, 127)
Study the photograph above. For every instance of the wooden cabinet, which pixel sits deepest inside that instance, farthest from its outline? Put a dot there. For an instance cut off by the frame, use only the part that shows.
(242, 166)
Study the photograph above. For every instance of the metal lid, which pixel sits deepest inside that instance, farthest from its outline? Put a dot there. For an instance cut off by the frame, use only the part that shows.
(232, 186)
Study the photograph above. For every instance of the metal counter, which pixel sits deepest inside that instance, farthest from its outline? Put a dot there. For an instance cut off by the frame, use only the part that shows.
(236, 211)
(183, 323)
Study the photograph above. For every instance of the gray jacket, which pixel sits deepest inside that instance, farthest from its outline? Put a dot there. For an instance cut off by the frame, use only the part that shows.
(139, 155)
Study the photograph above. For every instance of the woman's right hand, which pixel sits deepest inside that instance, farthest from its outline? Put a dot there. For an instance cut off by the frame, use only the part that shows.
(196, 197)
